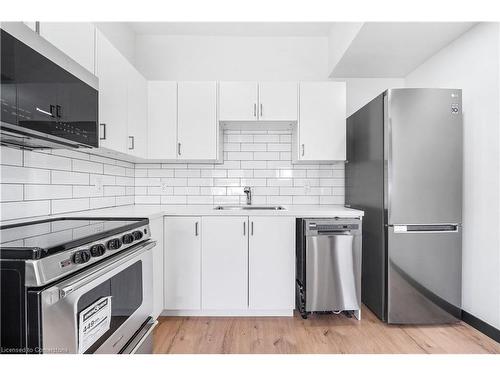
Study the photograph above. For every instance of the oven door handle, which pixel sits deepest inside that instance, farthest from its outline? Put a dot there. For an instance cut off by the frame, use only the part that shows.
(105, 267)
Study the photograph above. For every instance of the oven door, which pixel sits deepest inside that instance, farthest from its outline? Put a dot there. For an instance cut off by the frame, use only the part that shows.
(101, 309)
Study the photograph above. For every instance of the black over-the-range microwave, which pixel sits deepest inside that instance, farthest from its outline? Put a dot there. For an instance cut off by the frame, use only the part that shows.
(47, 99)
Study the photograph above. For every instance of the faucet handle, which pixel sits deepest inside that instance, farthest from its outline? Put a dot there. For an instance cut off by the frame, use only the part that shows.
(246, 189)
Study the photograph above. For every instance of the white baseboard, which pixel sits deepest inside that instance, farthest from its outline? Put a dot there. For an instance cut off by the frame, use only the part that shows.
(256, 313)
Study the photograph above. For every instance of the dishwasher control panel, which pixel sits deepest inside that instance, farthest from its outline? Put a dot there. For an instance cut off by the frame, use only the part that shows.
(334, 225)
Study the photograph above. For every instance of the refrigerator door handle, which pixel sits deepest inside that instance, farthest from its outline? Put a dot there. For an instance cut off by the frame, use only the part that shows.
(425, 228)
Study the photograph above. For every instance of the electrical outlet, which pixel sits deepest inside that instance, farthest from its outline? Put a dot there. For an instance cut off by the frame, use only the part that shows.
(164, 188)
(98, 184)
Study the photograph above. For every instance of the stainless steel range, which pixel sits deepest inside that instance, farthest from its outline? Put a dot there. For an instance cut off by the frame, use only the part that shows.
(76, 285)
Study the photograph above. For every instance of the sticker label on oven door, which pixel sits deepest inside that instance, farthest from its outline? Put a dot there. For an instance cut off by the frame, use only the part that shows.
(94, 321)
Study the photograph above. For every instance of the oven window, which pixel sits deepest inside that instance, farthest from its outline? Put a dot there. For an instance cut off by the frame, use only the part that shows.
(125, 289)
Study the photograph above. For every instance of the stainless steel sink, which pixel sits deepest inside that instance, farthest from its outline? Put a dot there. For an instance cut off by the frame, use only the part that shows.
(249, 208)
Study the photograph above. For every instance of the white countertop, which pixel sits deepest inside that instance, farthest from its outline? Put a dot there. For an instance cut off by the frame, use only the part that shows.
(155, 211)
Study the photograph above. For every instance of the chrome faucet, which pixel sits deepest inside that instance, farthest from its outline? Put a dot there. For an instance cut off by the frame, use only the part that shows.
(248, 192)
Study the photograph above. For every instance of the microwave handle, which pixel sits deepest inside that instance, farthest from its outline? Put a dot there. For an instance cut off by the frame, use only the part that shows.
(107, 266)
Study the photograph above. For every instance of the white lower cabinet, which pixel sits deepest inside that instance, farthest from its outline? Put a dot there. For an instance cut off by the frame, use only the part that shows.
(271, 257)
(182, 264)
(156, 227)
(224, 264)
(230, 265)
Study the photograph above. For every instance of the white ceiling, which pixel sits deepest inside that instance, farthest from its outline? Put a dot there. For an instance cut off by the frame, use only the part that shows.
(391, 49)
(250, 29)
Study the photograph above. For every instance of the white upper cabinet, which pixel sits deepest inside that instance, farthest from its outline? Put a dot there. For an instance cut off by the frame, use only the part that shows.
(162, 120)
(112, 70)
(238, 101)
(75, 39)
(278, 101)
(264, 101)
(137, 106)
(322, 122)
(197, 128)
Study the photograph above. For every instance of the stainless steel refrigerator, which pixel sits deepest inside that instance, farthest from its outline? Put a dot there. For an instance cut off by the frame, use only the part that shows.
(404, 169)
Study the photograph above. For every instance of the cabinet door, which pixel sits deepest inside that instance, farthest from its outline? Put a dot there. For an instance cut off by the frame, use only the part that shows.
(112, 72)
(271, 255)
(182, 263)
(75, 39)
(224, 262)
(162, 120)
(238, 101)
(197, 121)
(278, 101)
(322, 122)
(156, 227)
(137, 97)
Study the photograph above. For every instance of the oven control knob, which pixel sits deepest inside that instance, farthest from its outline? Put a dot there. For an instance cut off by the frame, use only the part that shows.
(137, 235)
(127, 238)
(97, 250)
(114, 244)
(82, 256)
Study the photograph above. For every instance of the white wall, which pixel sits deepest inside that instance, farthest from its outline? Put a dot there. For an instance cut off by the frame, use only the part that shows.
(121, 36)
(341, 36)
(160, 57)
(362, 90)
(472, 63)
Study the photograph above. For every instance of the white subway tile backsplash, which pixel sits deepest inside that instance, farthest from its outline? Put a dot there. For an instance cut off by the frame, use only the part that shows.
(250, 146)
(60, 206)
(102, 202)
(11, 156)
(87, 166)
(28, 209)
(240, 155)
(187, 173)
(114, 170)
(266, 138)
(60, 181)
(147, 199)
(69, 178)
(21, 175)
(260, 159)
(86, 191)
(160, 173)
(11, 192)
(46, 161)
(41, 192)
(173, 199)
(186, 190)
(38, 183)
(266, 155)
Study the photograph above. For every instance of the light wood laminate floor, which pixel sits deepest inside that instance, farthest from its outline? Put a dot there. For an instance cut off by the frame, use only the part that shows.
(318, 334)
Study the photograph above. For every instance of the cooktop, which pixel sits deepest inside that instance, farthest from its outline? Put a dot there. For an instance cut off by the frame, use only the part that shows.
(38, 239)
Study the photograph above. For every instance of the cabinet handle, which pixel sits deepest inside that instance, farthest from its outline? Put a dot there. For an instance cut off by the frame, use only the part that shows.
(103, 131)
(254, 109)
(58, 111)
(131, 138)
(196, 229)
(51, 113)
(303, 148)
(179, 148)
(260, 109)
(251, 228)
(244, 228)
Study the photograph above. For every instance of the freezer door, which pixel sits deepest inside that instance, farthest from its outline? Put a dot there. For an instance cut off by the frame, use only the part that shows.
(424, 152)
(424, 274)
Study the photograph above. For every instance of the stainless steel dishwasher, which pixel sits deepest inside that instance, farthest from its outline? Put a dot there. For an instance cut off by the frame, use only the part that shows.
(328, 255)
